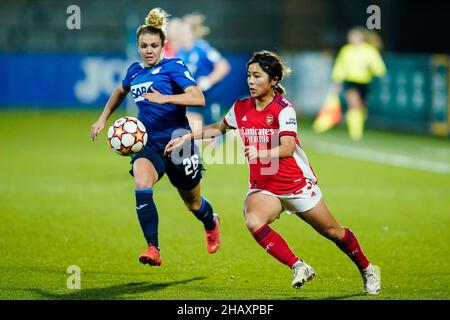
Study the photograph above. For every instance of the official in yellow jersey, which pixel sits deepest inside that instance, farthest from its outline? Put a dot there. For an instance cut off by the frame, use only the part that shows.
(356, 64)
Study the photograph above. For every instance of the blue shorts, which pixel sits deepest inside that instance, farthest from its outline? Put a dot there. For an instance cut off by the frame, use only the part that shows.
(184, 172)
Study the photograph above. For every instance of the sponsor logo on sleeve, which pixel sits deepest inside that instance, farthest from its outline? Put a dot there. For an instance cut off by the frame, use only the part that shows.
(291, 121)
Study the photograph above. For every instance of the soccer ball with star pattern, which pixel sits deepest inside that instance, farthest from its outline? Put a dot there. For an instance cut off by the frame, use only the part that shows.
(127, 136)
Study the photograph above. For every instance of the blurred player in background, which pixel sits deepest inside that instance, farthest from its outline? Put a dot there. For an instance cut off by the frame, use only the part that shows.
(356, 64)
(207, 65)
(281, 178)
(174, 38)
(162, 88)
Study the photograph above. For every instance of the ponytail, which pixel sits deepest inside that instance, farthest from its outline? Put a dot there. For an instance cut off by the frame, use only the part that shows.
(279, 89)
(156, 23)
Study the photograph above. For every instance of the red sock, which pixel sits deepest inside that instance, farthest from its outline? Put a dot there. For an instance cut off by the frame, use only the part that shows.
(275, 245)
(350, 246)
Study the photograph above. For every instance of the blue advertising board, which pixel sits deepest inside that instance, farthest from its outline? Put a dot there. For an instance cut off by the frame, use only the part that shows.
(85, 81)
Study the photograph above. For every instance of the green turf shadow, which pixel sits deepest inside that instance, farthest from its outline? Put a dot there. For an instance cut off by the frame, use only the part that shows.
(347, 296)
(112, 292)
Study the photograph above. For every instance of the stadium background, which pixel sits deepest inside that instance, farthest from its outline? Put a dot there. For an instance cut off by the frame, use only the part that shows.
(62, 197)
(414, 96)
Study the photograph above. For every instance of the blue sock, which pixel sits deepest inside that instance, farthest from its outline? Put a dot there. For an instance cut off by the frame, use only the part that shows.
(147, 215)
(205, 215)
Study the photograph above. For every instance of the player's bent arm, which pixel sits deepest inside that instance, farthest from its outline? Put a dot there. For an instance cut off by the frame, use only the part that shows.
(192, 97)
(377, 66)
(284, 150)
(113, 103)
(221, 69)
(339, 71)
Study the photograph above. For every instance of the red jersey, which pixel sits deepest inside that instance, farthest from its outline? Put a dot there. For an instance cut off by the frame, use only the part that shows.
(169, 51)
(263, 129)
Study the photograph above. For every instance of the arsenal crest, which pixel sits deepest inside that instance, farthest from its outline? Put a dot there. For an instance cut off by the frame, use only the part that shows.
(269, 119)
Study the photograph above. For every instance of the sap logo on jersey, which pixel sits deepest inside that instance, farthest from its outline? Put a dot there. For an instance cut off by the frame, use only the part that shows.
(138, 89)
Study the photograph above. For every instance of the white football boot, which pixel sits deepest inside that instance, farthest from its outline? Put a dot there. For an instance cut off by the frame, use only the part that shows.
(302, 273)
(372, 279)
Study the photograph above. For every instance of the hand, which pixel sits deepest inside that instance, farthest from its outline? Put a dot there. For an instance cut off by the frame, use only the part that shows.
(96, 128)
(155, 96)
(175, 144)
(251, 152)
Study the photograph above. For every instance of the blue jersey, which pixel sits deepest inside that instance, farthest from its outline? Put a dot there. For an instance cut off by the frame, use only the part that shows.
(201, 59)
(169, 76)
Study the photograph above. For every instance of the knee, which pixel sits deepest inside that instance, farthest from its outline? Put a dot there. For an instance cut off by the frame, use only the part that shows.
(142, 183)
(193, 204)
(334, 233)
(145, 175)
(253, 222)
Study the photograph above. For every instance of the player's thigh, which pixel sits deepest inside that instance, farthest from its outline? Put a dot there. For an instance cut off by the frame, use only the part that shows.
(185, 167)
(147, 167)
(321, 219)
(145, 174)
(185, 174)
(260, 209)
(354, 98)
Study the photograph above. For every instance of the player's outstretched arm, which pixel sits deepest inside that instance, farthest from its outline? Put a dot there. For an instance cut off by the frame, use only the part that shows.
(208, 132)
(113, 103)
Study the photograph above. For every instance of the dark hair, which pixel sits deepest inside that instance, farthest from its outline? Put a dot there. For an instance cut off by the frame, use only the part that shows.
(155, 23)
(272, 64)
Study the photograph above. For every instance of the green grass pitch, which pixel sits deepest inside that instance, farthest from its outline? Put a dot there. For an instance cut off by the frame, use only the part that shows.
(67, 201)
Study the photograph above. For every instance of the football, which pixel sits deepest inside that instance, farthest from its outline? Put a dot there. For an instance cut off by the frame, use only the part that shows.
(127, 136)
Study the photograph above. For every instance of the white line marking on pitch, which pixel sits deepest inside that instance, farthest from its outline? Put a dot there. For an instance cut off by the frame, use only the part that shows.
(381, 157)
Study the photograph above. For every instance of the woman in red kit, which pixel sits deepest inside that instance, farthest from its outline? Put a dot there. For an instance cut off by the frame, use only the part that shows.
(281, 178)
